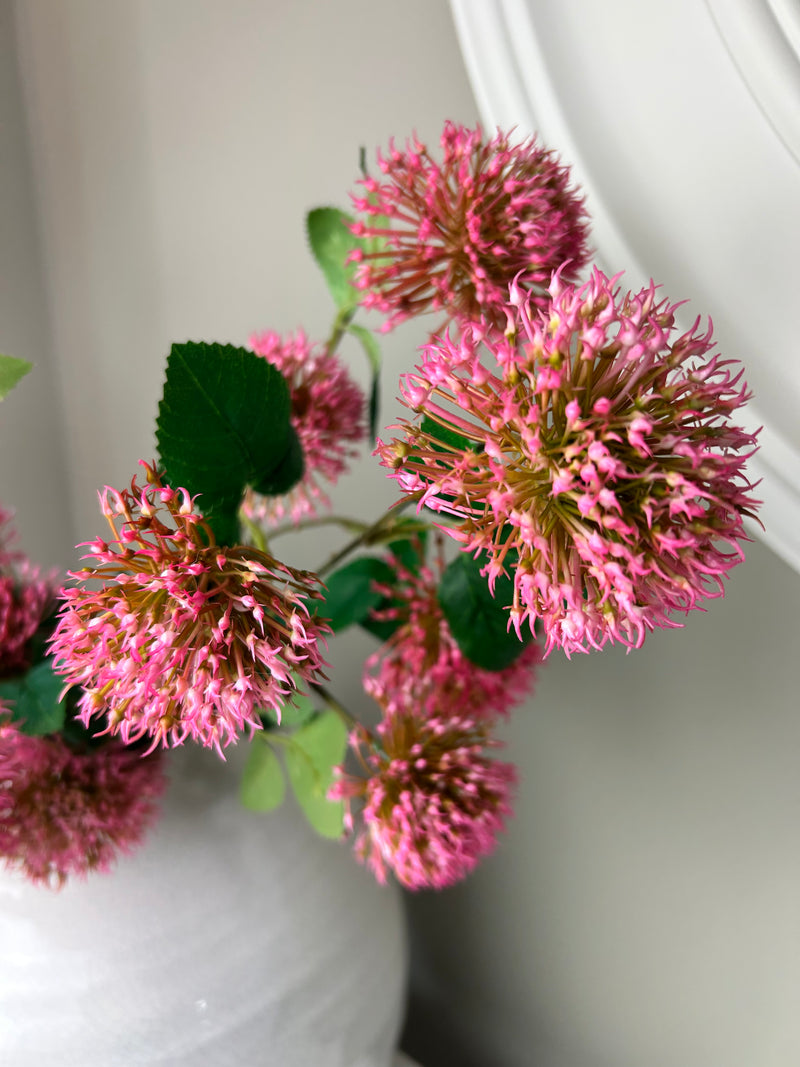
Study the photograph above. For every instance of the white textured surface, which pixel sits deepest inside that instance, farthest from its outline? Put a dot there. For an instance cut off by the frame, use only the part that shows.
(230, 939)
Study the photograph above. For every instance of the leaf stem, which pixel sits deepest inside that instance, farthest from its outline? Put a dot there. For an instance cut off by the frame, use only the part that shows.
(348, 718)
(366, 537)
(353, 525)
(343, 319)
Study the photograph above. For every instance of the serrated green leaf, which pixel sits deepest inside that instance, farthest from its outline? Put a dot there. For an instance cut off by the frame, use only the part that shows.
(331, 242)
(263, 786)
(478, 620)
(315, 750)
(33, 699)
(288, 472)
(223, 423)
(351, 594)
(11, 371)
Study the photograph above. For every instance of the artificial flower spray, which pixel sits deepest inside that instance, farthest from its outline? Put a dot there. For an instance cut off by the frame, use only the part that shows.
(572, 447)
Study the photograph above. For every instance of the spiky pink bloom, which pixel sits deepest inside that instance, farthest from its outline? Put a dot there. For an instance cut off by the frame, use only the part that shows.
(65, 811)
(607, 461)
(434, 802)
(26, 598)
(327, 412)
(462, 229)
(184, 638)
(422, 660)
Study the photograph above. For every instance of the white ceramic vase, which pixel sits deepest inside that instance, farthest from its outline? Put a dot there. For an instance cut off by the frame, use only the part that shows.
(229, 940)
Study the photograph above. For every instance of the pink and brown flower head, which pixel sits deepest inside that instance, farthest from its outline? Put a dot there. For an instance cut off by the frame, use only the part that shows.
(27, 597)
(66, 810)
(433, 800)
(450, 236)
(422, 659)
(604, 468)
(327, 413)
(183, 638)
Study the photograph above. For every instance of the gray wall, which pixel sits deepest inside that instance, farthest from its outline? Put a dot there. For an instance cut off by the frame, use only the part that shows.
(644, 907)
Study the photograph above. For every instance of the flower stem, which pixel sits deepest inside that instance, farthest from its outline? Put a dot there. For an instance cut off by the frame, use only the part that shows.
(353, 525)
(367, 536)
(348, 718)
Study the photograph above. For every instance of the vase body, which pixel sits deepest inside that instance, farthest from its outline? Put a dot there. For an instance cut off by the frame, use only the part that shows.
(229, 938)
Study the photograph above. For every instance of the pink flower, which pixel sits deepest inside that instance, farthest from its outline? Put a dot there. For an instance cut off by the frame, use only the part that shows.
(26, 599)
(422, 660)
(184, 638)
(327, 414)
(462, 229)
(605, 459)
(433, 801)
(65, 811)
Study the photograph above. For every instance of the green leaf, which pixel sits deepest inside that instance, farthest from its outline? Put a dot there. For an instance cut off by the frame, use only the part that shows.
(223, 518)
(223, 424)
(446, 435)
(288, 472)
(331, 242)
(315, 750)
(33, 698)
(11, 371)
(351, 594)
(295, 713)
(478, 620)
(263, 786)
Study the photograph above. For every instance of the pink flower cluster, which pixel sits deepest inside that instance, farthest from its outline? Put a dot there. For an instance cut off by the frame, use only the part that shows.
(26, 598)
(604, 457)
(433, 801)
(66, 811)
(184, 639)
(450, 236)
(327, 413)
(422, 661)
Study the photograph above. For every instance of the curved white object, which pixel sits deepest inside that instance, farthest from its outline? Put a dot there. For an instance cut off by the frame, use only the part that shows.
(230, 938)
(684, 179)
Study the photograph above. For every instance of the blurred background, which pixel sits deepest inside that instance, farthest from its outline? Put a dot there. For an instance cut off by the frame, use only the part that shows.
(159, 158)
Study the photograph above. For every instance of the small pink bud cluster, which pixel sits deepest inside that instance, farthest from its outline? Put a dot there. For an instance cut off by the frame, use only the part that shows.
(423, 647)
(434, 802)
(450, 236)
(184, 639)
(64, 810)
(26, 598)
(603, 456)
(327, 413)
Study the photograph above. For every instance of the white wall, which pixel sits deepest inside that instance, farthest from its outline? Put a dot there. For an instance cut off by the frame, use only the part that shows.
(645, 906)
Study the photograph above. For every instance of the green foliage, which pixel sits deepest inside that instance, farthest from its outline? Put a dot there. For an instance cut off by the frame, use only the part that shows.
(314, 751)
(446, 435)
(288, 472)
(223, 424)
(351, 595)
(34, 699)
(293, 714)
(11, 371)
(331, 242)
(478, 620)
(263, 785)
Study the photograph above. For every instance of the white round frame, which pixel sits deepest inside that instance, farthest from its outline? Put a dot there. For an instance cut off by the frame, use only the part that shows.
(505, 48)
